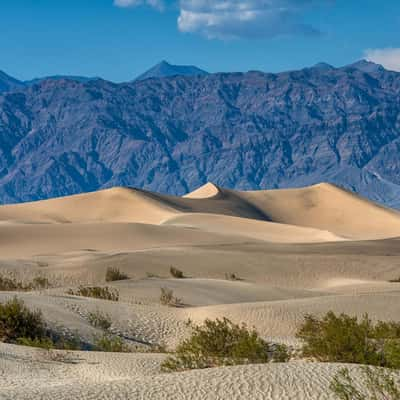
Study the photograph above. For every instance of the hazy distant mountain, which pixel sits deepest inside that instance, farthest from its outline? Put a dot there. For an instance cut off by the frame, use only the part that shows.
(7, 82)
(240, 130)
(324, 66)
(164, 69)
(60, 77)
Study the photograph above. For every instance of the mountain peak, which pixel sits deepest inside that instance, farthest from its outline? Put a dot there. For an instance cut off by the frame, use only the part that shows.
(165, 69)
(366, 66)
(323, 66)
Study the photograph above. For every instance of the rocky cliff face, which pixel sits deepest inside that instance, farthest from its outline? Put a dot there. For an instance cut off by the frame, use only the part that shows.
(243, 131)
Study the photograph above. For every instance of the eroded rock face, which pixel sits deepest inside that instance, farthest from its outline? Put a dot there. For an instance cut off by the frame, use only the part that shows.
(243, 131)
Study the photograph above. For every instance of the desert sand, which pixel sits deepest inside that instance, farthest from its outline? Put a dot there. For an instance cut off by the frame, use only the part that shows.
(296, 251)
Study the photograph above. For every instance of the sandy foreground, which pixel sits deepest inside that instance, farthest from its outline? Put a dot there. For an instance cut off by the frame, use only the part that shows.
(296, 251)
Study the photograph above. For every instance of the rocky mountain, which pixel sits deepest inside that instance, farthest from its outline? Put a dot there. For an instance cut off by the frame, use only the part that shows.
(60, 77)
(7, 82)
(240, 130)
(164, 69)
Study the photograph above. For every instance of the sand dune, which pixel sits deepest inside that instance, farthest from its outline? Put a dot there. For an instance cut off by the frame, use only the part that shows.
(136, 376)
(324, 207)
(26, 240)
(327, 207)
(111, 205)
(295, 251)
(258, 230)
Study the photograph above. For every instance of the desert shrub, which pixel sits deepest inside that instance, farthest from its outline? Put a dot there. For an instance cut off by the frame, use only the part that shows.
(17, 321)
(68, 343)
(114, 274)
(151, 275)
(40, 282)
(377, 384)
(176, 273)
(396, 280)
(112, 344)
(167, 298)
(99, 319)
(231, 276)
(346, 339)
(42, 343)
(391, 352)
(218, 343)
(11, 284)
(279, 353)
(97, 292)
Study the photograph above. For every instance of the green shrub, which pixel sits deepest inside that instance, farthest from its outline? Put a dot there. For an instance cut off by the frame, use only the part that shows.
(112, 344)
(99, 319)
(167, 298)
(68, 343)
(346, 339)
(391, 351)
(377, 384)
(218, 343)
(17, 321)
(176, 273)
(114, 274)
(279, 353)
(42, 343)
(97, 292)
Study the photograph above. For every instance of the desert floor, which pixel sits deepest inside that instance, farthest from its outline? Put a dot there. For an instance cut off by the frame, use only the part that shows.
(295, 251)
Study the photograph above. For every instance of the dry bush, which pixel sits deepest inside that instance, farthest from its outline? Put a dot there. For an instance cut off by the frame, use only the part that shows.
(97, 292)
(231, 276)
(99, 319)
(114, 274)
(151, 275)
(10, 283)
(176, 273)
(376, 384)
(41, 282)
(167, 298)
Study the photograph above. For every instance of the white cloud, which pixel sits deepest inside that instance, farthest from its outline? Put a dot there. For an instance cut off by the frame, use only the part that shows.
(230, 19)
(388, 57)
(158, 4)
(226, 19)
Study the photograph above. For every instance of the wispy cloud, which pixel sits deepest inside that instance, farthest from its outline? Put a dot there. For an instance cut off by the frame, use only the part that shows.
(157, 4)
(388, 57)
(232, 19)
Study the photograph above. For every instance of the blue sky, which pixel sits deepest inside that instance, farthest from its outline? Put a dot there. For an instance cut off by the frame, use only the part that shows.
(119, 39)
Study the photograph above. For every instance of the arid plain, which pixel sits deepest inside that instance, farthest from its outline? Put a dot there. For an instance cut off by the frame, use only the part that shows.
(293, 252)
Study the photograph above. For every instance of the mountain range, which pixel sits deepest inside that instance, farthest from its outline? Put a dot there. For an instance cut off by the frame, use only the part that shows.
(174, 131)
(160, 70)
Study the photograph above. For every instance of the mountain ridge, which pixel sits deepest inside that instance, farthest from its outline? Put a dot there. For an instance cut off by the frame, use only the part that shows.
(240, 130)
